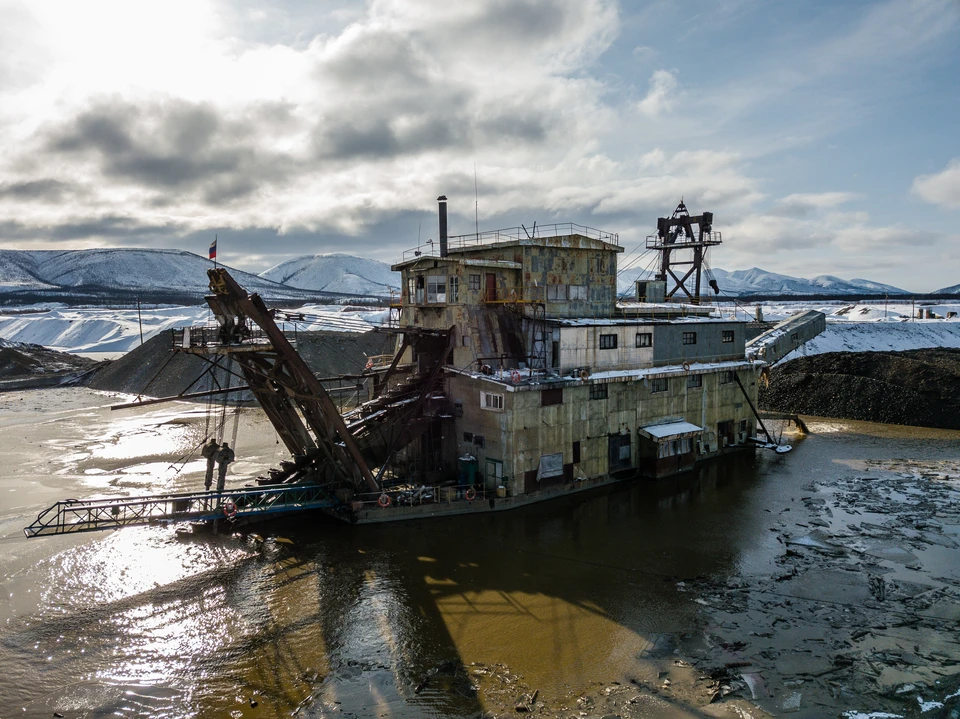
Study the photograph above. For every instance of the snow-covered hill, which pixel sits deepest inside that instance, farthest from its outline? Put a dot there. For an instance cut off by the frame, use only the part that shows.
(756, 281)
(951, 290)
(118, 330)
(174, 271)
(336, 273)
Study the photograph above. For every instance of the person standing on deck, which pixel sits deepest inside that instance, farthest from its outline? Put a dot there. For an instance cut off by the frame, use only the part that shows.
(209, 452)
(224, 457)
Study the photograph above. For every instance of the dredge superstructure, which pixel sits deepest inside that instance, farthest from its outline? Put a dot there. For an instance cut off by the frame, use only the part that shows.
(518, 375)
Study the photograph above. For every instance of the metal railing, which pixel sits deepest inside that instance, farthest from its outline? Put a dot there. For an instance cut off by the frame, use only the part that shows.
(72, 516)
(655, 242)
(412, 496)
(511, 234)
(212, 336)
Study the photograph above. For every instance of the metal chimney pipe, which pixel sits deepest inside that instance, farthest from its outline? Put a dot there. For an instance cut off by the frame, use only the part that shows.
(443, 225)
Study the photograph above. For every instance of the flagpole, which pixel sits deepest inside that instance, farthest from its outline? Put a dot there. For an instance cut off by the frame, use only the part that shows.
(215, 254)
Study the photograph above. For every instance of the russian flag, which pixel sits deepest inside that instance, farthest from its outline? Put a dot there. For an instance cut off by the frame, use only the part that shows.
(213, 249)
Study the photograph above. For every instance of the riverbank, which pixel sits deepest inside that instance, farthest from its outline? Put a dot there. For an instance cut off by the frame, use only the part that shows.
(919, 388)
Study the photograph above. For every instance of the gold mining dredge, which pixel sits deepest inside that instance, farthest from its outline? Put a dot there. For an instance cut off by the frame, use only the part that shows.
(519, 375)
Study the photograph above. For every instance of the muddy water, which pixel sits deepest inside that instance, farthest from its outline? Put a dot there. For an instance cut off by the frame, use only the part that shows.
(438, 618)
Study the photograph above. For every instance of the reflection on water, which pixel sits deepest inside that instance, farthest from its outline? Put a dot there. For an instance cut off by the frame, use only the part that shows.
(391, 620)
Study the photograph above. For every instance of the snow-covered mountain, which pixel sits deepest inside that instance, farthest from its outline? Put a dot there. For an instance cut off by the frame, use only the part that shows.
(951, 290)
(335, 273)
(762, 282)
(142, 270)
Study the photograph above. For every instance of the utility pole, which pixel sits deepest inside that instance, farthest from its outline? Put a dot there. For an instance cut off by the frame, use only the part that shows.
(139, 320)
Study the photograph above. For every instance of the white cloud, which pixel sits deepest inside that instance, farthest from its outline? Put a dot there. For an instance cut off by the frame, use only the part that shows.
(942, 188)
(662, 95)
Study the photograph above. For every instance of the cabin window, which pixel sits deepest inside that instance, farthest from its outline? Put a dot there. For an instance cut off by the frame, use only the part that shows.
(608, 342)
(644, 339)
(454, 290)
(549, 397)
(689, 338)
(598, 391)
(419, 290)
(491, 401)
(577, 292)
(437, 289)
(727, 336)
(474, 283)
(411, 289)
(556, 293)
(694, 380)
(658, 384)
(726, 377)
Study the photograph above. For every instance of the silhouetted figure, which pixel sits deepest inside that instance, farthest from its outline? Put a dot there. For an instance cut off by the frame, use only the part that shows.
(224, 457)
(209, 451)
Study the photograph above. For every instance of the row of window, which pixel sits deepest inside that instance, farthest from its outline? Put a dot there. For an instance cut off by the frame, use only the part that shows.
(609, 342)
(559, 293)
(549, 397)
(433, 289)
(645, 339)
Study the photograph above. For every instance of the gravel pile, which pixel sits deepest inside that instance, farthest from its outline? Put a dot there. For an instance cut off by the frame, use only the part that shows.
(154, 369)
(915, 387)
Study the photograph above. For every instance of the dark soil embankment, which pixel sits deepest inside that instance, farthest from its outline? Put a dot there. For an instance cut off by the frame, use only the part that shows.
(25, 360)
(920, 388)
(154, 369)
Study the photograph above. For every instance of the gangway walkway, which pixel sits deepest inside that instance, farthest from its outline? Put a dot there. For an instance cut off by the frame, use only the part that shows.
(72, 515)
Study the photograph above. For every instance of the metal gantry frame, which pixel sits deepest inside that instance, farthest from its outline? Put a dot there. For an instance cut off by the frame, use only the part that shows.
(72, 516)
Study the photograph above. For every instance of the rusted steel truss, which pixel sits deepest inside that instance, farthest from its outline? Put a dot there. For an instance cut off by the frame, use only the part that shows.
(296, 403)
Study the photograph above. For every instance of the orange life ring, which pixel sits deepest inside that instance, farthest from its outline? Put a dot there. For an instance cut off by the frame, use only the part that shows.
(515, 376)
(686, 366)
(470, 494)
(584, 374)
(384, 500)
(230, 509)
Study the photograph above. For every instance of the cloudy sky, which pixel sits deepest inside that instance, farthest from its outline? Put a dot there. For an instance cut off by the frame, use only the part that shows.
(824, 136)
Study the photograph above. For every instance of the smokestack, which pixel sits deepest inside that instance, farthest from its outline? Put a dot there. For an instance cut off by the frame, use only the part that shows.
(443, 225)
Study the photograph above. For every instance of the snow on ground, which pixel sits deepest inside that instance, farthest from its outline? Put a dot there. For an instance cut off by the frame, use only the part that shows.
(869, 327)
(855, 327)
(118, 330)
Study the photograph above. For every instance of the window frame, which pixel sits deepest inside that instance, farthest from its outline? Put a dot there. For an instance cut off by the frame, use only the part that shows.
(453, 289)
(598, 390)
(474, 283)
(644, 339)
(659, 384)
(694, 381)
(726, 336)
(604, 341)
(491, 401)
(435, 295)
(689, 338)
(556, 293)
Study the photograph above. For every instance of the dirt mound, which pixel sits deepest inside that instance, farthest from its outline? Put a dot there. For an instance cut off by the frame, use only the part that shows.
(915, 387)
(18, 360)
(155, 370)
